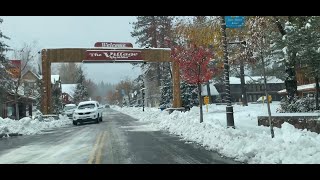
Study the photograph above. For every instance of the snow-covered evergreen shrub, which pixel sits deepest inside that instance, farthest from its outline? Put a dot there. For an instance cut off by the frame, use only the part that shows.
(306, 104)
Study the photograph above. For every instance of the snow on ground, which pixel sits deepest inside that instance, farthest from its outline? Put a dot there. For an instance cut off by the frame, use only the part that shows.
(139, 128)
(247, 143)
(27, 126)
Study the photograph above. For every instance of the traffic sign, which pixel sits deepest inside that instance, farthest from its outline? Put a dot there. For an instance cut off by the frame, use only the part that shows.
(234, 21)
(206, 100)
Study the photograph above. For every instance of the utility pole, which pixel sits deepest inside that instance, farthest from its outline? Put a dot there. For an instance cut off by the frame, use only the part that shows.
(229, 108)
(267, 95)
(143, 93)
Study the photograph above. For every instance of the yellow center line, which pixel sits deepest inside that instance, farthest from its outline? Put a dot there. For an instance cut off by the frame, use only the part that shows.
(94, 149)
(102, 142)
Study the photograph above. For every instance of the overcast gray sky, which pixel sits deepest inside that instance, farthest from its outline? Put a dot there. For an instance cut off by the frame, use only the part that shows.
(74, 31)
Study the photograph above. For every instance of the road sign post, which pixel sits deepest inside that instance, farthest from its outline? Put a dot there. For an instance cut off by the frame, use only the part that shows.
(206, 101)
(229, 22)
(234, 21)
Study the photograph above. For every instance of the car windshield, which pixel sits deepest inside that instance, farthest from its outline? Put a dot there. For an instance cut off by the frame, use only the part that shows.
(86, 106)
(69, 108)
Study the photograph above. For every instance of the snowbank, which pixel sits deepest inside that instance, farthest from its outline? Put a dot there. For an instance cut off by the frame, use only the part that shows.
(247, 143)
(27, 126)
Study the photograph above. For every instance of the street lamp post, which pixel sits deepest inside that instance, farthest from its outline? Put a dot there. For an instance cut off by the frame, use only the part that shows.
(229, 108)
(142, 91)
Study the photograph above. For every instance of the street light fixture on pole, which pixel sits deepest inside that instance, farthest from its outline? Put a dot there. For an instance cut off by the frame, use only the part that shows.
(229, 108)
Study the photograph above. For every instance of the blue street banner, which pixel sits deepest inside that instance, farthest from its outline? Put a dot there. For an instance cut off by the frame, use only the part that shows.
(234, 21)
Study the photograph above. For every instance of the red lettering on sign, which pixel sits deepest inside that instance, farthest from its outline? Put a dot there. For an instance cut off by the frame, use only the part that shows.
(112, 55)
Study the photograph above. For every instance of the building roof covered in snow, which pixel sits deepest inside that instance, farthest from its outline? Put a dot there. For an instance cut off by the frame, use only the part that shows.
(54, 78)
(304, 87)
(28, 76)
(213, 90)
(256, 80)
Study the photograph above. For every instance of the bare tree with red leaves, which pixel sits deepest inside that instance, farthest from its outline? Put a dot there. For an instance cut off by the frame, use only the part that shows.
(194, 66)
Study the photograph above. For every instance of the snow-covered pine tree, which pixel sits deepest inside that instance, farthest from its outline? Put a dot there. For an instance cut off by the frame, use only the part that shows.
(3, 61)
(155, 32)
(3, 46)
(152, 31)
(5, 80)
(306, 104)
(166, 95)
(56, 98)
(39, 93)
(81, 93)
(309, 54)
(189, 95)
(167, 87)
(287, 46)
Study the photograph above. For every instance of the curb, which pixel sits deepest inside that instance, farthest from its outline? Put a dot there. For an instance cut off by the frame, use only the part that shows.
(9, 135)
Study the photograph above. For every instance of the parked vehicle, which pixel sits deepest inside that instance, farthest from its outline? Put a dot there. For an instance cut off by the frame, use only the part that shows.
(69, 109)
(87, 111)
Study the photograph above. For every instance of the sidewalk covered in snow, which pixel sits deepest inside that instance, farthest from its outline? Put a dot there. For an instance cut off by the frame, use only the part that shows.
(247, 143)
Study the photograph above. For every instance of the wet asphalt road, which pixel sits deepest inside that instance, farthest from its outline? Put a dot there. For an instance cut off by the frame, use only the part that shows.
(119, 139)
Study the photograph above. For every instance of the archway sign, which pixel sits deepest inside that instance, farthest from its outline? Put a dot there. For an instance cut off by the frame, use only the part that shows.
(105, 52)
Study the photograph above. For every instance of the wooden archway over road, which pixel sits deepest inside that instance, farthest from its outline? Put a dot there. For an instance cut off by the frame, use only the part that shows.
(78, 55)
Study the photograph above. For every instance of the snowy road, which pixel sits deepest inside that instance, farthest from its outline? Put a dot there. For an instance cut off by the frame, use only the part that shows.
(119, 139)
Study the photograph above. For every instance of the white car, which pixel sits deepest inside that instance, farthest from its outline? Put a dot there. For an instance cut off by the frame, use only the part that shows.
(87, 111)
(69, 109)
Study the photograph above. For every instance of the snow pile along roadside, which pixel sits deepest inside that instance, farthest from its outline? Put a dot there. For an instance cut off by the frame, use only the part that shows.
(247, 143)
(27, 126)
